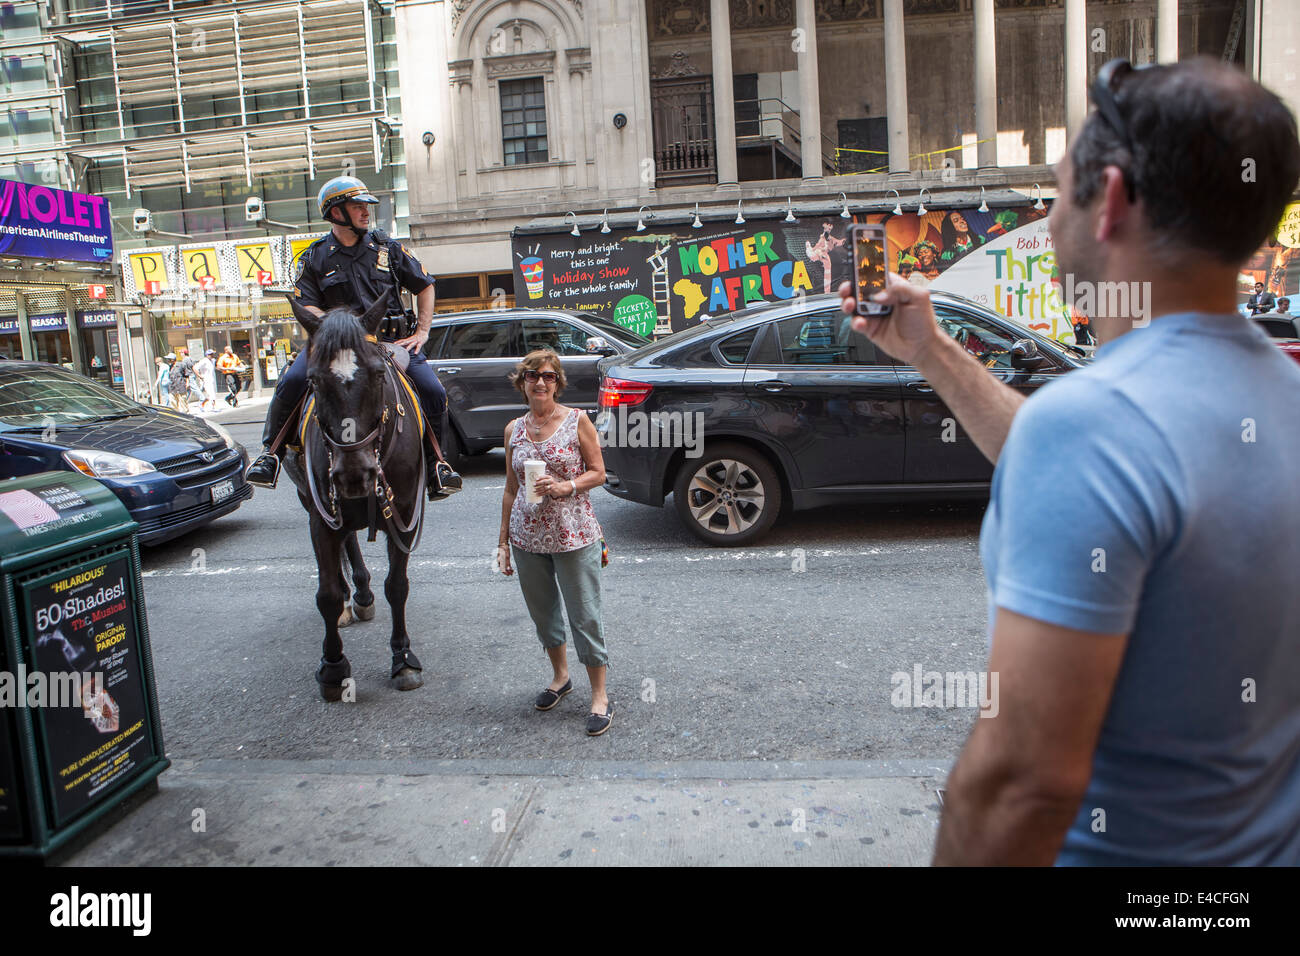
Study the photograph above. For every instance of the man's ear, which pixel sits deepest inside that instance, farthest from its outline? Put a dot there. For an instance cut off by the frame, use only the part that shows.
(306, 318)
(374, 316)
(1115, 210)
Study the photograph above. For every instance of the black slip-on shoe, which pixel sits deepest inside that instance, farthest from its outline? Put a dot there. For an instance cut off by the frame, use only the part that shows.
(597, 724)
(549, 698)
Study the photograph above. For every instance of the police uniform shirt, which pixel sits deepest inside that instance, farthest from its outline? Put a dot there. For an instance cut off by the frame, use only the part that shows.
(332, 275)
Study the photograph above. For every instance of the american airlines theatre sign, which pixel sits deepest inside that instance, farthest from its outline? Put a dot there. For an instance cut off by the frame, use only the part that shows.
(39, 222)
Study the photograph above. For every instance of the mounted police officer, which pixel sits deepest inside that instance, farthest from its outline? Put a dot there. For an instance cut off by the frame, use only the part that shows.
(351, 267)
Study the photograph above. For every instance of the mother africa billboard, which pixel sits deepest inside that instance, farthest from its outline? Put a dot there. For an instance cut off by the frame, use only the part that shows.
(669, 277)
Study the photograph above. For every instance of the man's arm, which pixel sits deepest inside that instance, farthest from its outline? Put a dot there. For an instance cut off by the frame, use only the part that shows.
(1019, 780)
(412, 277)
(983, 405)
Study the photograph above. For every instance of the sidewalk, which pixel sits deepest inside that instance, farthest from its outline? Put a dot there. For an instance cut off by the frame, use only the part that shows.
(530, 812)
(250, 411)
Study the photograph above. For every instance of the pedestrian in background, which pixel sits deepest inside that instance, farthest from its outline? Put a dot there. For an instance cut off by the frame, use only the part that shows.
(205, 370)
(160, 383)
(178, 379)
(556, 542)
(1261, 301)
(1126, 639)
(230, 366)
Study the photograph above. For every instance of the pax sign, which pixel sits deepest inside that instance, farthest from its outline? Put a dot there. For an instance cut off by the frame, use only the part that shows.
(99, 292)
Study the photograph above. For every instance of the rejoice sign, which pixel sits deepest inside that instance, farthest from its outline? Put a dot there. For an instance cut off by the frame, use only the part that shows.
(42, 223)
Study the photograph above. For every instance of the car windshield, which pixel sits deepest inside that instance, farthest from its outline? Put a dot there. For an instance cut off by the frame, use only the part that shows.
(614, 330)
(41, 397)
(704, 325)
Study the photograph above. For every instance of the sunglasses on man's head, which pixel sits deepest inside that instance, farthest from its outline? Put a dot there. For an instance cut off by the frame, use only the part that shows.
(532, 375)
(1104, 88)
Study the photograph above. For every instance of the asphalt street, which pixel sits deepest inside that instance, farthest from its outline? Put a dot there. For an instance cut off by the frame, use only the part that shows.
(715, 654)
(725, 664)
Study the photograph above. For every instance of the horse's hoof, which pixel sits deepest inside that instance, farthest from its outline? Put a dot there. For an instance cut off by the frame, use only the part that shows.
(346, 617)
(364, 612)
(408, 678)
(331, 693)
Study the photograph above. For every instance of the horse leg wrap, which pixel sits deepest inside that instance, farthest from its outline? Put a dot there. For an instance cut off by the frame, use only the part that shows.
(333, 674)
(405, 659)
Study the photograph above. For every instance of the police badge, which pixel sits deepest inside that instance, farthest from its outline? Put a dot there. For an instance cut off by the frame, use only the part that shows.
(382, 264)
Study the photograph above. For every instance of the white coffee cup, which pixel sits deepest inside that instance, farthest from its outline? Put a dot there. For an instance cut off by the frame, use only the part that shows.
(533, 469)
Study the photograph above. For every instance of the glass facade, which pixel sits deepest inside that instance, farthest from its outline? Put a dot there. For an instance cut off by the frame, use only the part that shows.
(191, 114)
(30, 118)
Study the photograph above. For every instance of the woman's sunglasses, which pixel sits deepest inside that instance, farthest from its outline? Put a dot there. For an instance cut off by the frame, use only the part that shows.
(533, 375)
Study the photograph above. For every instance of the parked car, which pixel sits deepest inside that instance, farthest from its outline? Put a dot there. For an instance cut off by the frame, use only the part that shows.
(475, 352)
(173, 472)
(799, 410)
(1284, 330)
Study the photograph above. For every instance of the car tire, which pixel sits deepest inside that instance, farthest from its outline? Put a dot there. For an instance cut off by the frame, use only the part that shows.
(729, 496)
(452, 450)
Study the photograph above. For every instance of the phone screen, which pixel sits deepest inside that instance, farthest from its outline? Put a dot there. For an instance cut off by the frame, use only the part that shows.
(869, 263)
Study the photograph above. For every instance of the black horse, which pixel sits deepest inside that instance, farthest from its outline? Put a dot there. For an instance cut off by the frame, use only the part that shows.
(361, 466)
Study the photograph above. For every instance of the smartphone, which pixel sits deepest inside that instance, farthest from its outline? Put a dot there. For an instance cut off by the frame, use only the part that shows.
(869, 266)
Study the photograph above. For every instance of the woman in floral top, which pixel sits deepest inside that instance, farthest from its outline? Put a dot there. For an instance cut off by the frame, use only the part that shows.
(556, 543)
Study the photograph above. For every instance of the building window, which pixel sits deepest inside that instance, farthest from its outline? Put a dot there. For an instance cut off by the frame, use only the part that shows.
(523, 121)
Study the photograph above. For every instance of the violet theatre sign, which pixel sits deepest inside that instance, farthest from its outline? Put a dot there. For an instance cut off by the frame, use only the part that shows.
(38, 222)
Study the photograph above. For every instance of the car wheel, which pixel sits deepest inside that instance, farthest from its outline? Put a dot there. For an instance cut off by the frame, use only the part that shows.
(730, 495)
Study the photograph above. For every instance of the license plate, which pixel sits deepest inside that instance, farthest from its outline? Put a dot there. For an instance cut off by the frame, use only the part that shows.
(222, 490)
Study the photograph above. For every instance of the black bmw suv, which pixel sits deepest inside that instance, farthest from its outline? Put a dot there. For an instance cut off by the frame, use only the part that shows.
(783, 404)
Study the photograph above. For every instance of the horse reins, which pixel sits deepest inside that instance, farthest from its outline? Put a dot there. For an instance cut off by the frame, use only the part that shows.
(383, 491)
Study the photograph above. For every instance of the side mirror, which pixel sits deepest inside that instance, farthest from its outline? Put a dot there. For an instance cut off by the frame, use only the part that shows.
(596, 345)
(1025, 353)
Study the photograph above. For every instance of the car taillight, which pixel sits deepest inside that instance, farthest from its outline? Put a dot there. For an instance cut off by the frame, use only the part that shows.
(617, 391)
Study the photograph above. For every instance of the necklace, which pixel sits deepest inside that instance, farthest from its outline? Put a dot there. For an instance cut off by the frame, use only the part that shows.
(537, 429)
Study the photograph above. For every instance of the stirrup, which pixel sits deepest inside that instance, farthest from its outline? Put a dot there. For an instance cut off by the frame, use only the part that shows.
(264, 461)
(443, 481)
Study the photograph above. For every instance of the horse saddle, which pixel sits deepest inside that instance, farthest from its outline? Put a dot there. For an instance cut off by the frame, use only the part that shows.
(399, 356)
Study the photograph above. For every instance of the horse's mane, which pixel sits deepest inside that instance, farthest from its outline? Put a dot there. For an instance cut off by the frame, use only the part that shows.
(338, 330)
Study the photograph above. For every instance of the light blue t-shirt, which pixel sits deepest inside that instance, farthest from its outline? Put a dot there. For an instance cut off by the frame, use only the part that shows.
(1175, 458)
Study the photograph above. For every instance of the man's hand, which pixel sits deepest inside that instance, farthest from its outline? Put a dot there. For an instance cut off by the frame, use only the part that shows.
(413, 343)
(907, 333)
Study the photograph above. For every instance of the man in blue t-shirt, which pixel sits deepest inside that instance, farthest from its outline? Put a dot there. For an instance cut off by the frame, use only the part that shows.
(1148, 704)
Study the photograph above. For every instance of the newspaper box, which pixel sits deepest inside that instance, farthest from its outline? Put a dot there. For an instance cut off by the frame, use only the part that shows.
(79, 730)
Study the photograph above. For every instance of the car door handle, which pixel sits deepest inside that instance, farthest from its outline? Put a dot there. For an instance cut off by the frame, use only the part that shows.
(449, 369)
(920, 387)
(774, 386)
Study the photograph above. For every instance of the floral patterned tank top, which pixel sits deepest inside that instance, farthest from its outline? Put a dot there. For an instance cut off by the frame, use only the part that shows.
(553, 524)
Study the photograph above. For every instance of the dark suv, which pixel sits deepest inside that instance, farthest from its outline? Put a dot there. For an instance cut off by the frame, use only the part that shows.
(784, 404)
(474, 353)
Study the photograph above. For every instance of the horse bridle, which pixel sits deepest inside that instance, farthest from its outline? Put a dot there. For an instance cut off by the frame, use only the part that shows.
(383, 491)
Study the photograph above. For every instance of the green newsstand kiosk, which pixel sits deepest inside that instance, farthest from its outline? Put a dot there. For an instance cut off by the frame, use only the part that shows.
(79, 729)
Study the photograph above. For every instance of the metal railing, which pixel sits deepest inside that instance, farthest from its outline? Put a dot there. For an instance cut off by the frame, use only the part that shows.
(775, 120)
